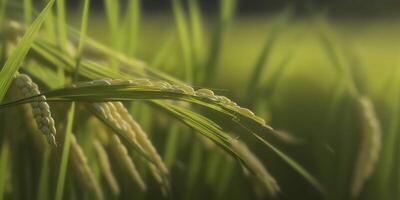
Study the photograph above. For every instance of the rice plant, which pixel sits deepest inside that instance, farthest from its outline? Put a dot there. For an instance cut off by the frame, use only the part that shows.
(94, 106)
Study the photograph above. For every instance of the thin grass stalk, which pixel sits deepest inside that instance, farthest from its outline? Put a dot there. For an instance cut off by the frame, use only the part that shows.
(71, 112)
(194, 169)
(184, 37)
(388, 159)
(163, 52)
(27, 12)
(82, 38)
(227, 9)
(3, 6)
(65, 154)
(3, 167)
(61, 25)
(132, 20)
(213, 166)
(44, 183)
(50, 33)
(15, 60)
(225, 178)
(112, 12)
(62, 34)
(265, 53)
(196, 32)
(171, 146)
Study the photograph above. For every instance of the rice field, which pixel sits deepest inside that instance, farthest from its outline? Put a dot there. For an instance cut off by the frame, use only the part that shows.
(196, 102)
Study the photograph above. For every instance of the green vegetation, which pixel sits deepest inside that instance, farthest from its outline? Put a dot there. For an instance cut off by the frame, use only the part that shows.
(150, 106)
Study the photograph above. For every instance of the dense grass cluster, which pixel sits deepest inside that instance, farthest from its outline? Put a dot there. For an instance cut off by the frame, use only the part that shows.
(80, 119)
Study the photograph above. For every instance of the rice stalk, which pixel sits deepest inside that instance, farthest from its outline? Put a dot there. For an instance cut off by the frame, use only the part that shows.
(105, 167)
(368, 153)
(194, 168)
(196, 32)
(226, 14)
(184, 37)
(4, 154)
(265, 53)
(44, 183)
(65, 153)
(27, 11)
(50, 33)
(132, 22)
(82, 172)
(40, 108)
(3, 5)
(61, 25)
(112, 12)
(171, 146)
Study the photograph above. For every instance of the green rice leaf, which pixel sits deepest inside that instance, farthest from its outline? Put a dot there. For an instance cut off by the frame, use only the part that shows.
(17, 57)
(183, 31)
(28, 11)
(4, 154)
(65, 154)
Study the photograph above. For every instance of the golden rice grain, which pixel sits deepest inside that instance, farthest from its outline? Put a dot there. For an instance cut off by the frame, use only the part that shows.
(40, 108)
(256, 166)
(121, 154)
(83, 173)
(370, 145)
(105, 167)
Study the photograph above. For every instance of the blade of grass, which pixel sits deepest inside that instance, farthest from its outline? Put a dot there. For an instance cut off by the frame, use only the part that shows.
(82, 38)
(171, 145)
(18, 55)
(3, 5)
(28, 12)
(163, 52)
(267, 48)
(184, 37)
(387, 162)
(227, 8)
(225, 178)
(50, 29)
(112, 13)
(43, 187)
(62, 33)
(61, 25)
(194, 168)
(196, 32)
(71, 111)
(3, 168)
(132, 21)
(65, 154)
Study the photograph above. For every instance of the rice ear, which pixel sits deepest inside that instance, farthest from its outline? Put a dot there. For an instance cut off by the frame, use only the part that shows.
(40, 108)
(104, 163)
(121, 154)
(263, 177)
(81, 170)
(368, 153)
